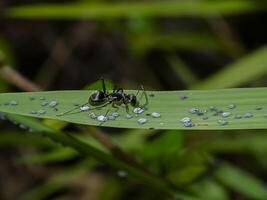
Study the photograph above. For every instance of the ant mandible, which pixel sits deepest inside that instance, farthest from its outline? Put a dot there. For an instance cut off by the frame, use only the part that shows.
(117, 97)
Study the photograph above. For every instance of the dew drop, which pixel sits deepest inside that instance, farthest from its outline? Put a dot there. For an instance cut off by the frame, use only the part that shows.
(31, 98)
(42, 98)
(184, 97)
(205, 117)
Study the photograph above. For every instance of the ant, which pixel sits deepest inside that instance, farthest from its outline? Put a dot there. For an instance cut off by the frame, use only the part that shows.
(117, 97)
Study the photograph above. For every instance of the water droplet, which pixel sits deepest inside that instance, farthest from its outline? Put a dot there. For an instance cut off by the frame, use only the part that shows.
(53, 104)
(186, 120)
(42, 98)
(122, 173)
(193, 110)
(248, 115)
(258, 108)
(84, 108)
(222, 122)
(138, 110)
(44, 103)
(231, 106)
(226, 114)
(155, 115)
(41, 112)
(115, 114)
(13, 103)
(102, 118)
(142, 120)
(128, 116)
(92, 115)
(151, 95)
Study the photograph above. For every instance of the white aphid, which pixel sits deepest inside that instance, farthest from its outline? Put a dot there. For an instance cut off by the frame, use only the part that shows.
(155, 115)
(53, 104)
(138, 110)
(84, 108)
(142, 120)
(102, 118)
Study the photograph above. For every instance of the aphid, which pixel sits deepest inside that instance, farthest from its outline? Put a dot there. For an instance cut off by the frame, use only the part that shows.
(155, 115)
(248, 115)
(258, 108)
(84, 108)
(44, 103)
(13, 103)
(222, 122)
(186, 120)
(128, 116)
(238, 116)
(92, 115)
(102, 118)
(231, 106)
(138, 110)
(115, 114)
(53, 104)
(116, 98)
(205, 117)
(142, 121)
(226, 114)
(193, 110)
(183, 97)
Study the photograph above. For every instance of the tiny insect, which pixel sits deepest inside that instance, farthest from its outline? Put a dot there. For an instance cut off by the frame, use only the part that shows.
(116, 98)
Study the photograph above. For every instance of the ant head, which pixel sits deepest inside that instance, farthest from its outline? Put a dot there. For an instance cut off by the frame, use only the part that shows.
(98, 95)
(132, 99)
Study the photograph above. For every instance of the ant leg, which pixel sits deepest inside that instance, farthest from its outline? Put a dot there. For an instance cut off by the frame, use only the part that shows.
(115, 106)
(127, 109)
(144, 92)
(69, 111)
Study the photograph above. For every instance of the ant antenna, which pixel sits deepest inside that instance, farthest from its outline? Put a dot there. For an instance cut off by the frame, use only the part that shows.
(69, 111)
(103, 85)
(144, 93)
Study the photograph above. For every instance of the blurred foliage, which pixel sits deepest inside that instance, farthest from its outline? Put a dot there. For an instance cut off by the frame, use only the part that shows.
(162, 44)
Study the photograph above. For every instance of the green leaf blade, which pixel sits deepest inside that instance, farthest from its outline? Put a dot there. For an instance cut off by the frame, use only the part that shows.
(168, 103)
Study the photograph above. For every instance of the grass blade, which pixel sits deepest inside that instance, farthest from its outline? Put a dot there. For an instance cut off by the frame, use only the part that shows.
(168, 103)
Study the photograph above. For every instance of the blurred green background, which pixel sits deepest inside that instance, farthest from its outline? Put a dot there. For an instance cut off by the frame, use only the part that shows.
(164, 45)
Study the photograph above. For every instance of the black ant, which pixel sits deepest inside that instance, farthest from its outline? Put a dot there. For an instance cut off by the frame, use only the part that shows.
(117, 97)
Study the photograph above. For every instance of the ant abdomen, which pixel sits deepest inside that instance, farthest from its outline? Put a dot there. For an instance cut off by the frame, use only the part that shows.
(97, 98)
